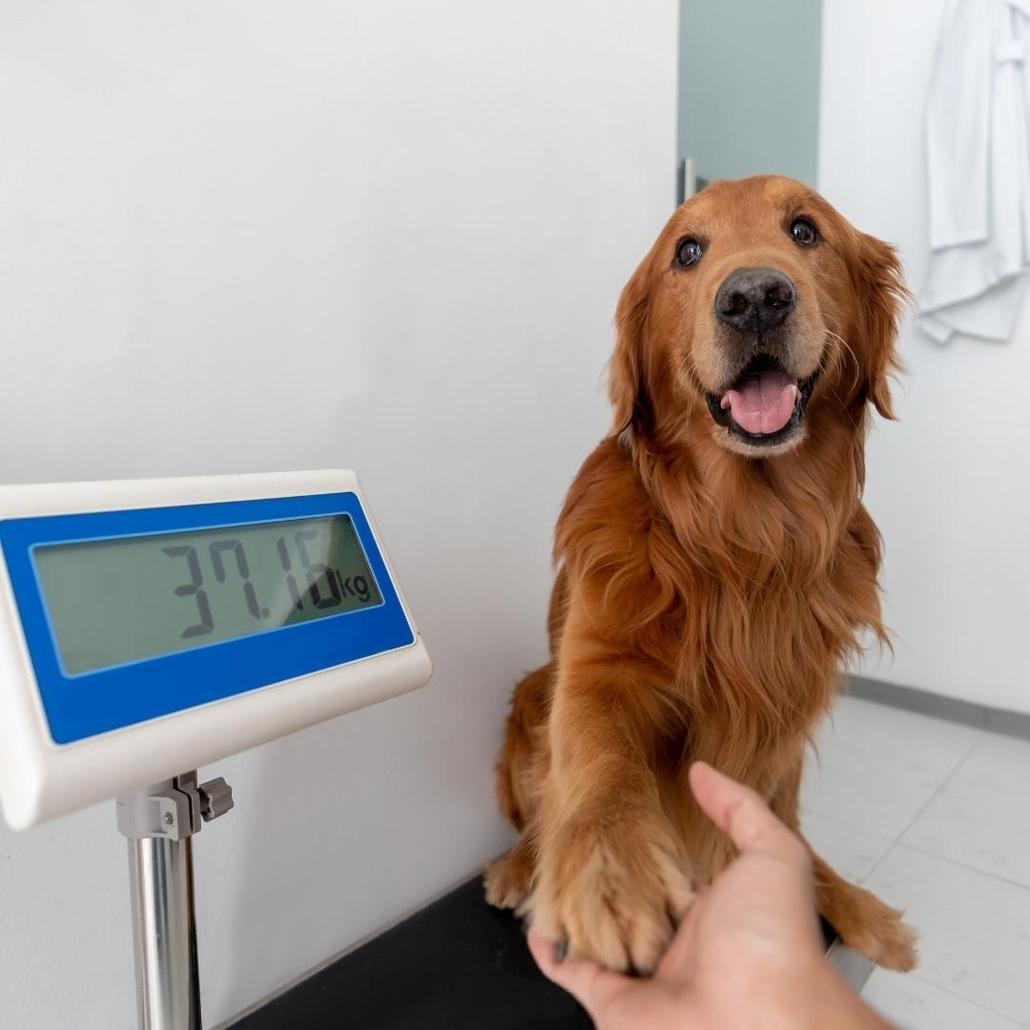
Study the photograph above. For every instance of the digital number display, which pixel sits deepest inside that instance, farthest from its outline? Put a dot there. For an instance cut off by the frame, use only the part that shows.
(111, 602)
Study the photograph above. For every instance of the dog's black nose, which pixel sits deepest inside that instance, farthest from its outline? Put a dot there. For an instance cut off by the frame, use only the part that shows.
(753, 299)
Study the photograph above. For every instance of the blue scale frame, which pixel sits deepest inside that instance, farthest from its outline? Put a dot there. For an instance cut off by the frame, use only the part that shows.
(84, 705)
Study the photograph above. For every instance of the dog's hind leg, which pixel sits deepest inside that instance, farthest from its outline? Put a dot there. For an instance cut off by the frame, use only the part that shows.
(509, 879)
(863, 921)
(520, 765)
(523, 755)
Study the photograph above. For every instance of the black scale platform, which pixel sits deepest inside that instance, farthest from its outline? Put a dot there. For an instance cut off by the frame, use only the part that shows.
(457, 965)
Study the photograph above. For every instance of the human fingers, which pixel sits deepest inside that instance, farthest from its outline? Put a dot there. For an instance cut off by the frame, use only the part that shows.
(590, 984)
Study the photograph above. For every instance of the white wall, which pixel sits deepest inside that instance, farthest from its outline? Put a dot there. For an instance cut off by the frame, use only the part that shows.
(949, 484)
(380, 235)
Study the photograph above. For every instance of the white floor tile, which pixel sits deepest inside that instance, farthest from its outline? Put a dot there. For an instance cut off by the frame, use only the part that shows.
(850, 850)
(885, 729)
(876, 766)
(982, 815)
(913, 1004)
(974, 929)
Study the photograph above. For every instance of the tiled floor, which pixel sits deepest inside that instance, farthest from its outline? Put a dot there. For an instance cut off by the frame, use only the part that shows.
(935, 818)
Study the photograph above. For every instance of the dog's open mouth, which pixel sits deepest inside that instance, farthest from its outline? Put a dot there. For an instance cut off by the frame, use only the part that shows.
(765, 404)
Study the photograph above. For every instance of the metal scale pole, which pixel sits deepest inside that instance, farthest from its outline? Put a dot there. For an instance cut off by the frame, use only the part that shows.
(159, 821)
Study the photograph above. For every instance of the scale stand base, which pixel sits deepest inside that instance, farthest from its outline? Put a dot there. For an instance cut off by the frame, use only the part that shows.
(159, 821)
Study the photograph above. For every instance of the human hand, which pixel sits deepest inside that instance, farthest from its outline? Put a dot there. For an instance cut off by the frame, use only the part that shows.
(748, 952)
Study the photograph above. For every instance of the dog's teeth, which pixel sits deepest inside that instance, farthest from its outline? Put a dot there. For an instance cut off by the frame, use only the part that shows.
(725, 402)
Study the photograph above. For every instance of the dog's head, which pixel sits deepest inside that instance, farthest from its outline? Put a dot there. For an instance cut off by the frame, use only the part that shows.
(757, 306)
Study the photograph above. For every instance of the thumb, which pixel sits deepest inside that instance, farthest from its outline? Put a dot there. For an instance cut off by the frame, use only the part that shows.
(740, 813)
(591, 985)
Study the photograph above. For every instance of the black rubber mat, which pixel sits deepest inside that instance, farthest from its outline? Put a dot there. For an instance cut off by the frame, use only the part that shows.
(457, 965)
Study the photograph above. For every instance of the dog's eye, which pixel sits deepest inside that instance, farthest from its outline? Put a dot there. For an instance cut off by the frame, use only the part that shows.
(688, 252)
(802, 232)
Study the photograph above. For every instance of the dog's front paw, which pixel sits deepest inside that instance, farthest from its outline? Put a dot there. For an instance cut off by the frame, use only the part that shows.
(615, 895)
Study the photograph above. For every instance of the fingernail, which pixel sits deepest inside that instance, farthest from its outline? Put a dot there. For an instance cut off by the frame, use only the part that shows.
(561, 949)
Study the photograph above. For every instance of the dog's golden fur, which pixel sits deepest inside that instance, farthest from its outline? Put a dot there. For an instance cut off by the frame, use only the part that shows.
(707, 592)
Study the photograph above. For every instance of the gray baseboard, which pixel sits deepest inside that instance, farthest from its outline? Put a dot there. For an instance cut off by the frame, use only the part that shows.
(969, 713)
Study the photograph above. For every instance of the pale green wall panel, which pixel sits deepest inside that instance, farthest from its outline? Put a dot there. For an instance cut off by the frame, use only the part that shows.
(749, 86)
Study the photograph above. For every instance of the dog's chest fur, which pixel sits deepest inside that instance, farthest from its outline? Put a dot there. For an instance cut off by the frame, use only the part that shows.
(750, 595)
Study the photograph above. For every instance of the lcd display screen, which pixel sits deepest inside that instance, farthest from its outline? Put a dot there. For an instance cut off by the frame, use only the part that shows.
(112, 602)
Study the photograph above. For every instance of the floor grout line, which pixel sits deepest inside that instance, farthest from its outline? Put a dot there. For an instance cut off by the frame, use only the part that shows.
(882, 839)
(965, 998)
(940, 786)
(846, 822)
(896, 842)
(963, 865)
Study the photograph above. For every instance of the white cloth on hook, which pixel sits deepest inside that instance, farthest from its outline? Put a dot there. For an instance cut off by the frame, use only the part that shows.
(978, 160)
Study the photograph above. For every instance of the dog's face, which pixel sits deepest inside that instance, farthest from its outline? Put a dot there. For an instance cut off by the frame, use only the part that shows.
(757, 302)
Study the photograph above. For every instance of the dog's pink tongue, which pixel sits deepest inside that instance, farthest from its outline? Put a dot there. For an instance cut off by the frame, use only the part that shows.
(762, 403)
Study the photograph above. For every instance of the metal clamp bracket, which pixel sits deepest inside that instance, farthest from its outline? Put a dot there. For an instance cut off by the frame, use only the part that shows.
(174, 809)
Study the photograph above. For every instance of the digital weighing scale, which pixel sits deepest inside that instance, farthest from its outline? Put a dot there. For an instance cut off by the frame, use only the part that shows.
(149, 627)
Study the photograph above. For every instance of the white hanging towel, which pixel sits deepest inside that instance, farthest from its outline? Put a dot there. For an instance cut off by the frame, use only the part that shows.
(978, 159)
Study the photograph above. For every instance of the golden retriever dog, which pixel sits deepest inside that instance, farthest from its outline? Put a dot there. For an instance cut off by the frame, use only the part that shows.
(715, 568)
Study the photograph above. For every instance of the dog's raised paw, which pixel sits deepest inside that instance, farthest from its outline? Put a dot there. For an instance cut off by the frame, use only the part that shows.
(616, 897)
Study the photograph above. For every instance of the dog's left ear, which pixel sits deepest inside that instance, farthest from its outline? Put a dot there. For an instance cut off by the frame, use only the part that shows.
(882, 294)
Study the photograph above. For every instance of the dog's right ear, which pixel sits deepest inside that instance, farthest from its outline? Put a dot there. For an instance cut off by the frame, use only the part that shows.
(627, 385)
